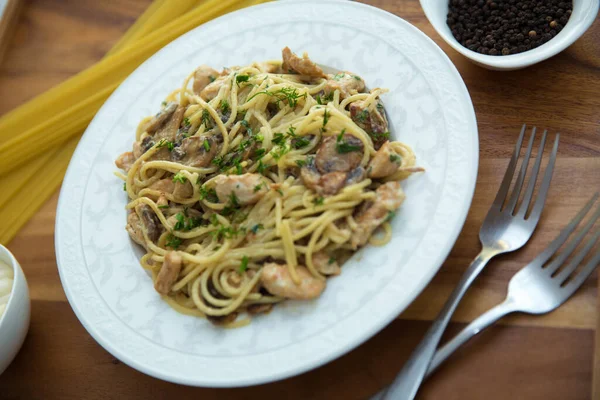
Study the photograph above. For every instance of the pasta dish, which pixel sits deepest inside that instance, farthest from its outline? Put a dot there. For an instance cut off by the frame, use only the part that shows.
(254, 184)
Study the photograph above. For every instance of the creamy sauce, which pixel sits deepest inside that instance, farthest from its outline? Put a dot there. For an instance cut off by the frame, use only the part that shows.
(6, 284)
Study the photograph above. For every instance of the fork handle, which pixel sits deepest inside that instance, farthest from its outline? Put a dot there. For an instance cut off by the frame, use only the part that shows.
(408, 381)
(482, 322)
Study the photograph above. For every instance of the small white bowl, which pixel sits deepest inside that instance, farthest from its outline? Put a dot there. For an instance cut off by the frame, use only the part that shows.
(14, 323)
(584, 14)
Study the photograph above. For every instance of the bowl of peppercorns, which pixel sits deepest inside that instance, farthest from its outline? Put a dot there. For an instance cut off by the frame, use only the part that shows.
(510, 34)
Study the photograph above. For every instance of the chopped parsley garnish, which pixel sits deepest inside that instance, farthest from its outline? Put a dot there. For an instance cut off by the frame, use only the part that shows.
(180, 222)
(280, 191)
(379, 106)
(208, 194)
(206, 145)
(380, 136)
(318, 98)
(300, 163)
(244, 264)
(259, 153)
(224, 106)
(395, 158)
(325, 118)
(343, 147)
(362, 116)
(256, 227)
(179, 177)
(164, 103)
(356, 77)
(258, 187)
(226, 232)
(211, 78)
(246, 125)
(125, 186)
(218, 161)
(214, 220)
(288, 94)
(186, 122)
(318, 201)
(262, 167)
(339, 76)
(234, 200)
(331, 260)
(241, 78)
(278, 139)
(279, 152)
(165, 143)
(238, 166)
(390, 215)
(163, 206)
(206, 119)
(173, 241)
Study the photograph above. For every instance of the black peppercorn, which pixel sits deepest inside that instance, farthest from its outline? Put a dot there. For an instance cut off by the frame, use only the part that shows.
(503, 27)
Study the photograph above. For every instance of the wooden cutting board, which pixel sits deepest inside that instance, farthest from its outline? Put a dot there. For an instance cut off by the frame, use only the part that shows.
(547, 358)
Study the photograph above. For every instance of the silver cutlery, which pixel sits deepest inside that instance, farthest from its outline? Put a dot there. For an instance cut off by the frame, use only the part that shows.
(506, 228)
(541, 286)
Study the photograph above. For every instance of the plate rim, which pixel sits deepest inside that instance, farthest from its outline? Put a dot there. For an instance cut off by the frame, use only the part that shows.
(367, 333)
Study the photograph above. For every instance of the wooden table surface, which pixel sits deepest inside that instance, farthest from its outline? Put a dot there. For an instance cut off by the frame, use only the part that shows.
(546, 357)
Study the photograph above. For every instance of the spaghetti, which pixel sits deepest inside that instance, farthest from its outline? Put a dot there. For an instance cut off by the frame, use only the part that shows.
(254, 184)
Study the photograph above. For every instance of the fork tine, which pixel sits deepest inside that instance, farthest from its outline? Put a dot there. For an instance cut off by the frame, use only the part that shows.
(536, 211)
(564, 234)
(531, 187)
(573, 243)
(562, 276)
(578, 280)
(510, 170)
(514, 198)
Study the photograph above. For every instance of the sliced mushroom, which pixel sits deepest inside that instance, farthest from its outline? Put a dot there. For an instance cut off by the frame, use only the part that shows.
(168, 130)
(150, 220)
(203, 76)
(178, 189)
(303, 66)
(247, 188)
(159, 119)
(196, 151)
(169, 271)
(277, 280)
(374, 121)
(330, 183)
(139, 148)
(389, 197)
(384, 163)
(339, 154)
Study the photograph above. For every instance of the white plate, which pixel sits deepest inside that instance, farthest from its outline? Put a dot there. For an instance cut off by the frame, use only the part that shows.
(114, 298)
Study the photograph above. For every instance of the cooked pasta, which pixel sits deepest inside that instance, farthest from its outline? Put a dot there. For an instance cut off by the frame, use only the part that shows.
(254, 184)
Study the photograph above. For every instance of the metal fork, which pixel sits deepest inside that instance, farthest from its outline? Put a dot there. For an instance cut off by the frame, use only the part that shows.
(504, 229)
(538, 288)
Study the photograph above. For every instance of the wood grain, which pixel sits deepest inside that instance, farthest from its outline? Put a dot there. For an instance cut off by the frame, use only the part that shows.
(547, 357)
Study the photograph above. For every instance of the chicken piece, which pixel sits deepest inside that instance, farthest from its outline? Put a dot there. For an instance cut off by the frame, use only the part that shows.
(346, 82)
(212, 89)
(169, 271)
(203, 76)
(303, 66)
(276, 279)
(374, 122)
(325, 264)
(330, 183)
(254, 309)
(384, 163)
(248, 188)
(339, 154)
(164, 186)
(195, 151)
(389, 197)
(159, 119)
(135, 228)
(125, 161)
